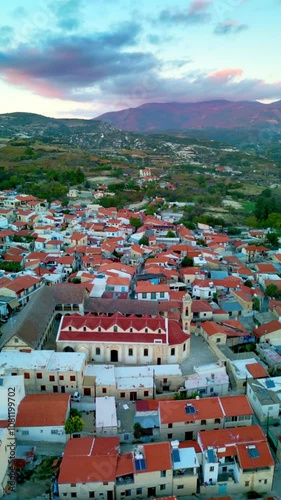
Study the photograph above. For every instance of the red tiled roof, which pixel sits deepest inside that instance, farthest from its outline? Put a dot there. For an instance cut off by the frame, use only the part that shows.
(264, 458)
(257, 370)
(151, 287)
(125, 465)
(234, 406)
(157, 457)
(230, 436)
(174, 411)
(267, 328)
(38, 410)
(174, 336)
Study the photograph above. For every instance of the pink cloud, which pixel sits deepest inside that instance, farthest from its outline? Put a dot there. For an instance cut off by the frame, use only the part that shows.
(37, 86)
(198, 6)
(226, 75)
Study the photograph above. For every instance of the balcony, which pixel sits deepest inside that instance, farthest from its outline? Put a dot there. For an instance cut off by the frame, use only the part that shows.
(165, 384)
(123, 480)
(184, 473)
(226, 477)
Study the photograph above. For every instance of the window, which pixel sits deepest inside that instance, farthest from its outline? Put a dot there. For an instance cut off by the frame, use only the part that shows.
(146, 330)
(72, 378)
(16, 340)
(212, 468)
(73, 495)
(105, 483)
(51, 378)
(43, 387)
(203, 422)
(247, 483)
(173, 351)
(128, 493)
(265, 481)
(218, 340)
(130, 351)
(153, 295)
(38, 375)
(139, 491)
(25, 433)
(159, 330)
(27, 375)
(170, 436)
(91, 494)
(144, 295)
(122, 395)
(170, 426)
(54, 431)
(162, 486)
(97, 351)
(162, 473)
(145, 352)
(180, 487)
(146, 394)
(162, 295)
(217, 420)
(104, 390)
(99, 329)
(69, 328)
(131, 330)
(115, 329)
(184, 347)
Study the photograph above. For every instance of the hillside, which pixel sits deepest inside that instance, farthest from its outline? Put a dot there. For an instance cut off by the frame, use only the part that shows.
(220, 114)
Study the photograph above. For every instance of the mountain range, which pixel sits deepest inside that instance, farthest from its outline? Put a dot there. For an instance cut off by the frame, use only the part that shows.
(174, 116)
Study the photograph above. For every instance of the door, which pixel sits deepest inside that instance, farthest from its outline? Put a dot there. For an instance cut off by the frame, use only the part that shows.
(188, 435)
(110, 495)
(62, 389)
(87, 391)
(151, 492)
(55, 388)
(133, 396)
(158, 361)
(114, 356)
(222, 489)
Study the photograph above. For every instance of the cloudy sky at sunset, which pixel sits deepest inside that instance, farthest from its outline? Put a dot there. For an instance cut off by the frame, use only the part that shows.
(80, 58)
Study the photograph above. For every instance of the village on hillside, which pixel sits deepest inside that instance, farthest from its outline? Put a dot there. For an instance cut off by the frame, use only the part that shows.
(139, 358)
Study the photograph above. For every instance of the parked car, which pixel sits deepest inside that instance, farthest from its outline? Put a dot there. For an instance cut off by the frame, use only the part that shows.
(75, 396)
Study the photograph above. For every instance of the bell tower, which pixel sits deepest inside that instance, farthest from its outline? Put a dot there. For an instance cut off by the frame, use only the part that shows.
(186, 313)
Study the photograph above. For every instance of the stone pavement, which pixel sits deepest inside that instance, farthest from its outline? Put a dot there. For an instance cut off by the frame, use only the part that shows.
(200, 354)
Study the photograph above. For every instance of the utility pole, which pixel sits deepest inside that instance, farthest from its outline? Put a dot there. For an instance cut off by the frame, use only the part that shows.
(153, 382)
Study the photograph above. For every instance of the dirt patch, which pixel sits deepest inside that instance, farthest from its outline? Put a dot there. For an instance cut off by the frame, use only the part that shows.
(35, 482)
(232, 203)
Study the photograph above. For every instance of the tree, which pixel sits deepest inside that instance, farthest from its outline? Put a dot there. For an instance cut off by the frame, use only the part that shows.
(76, 280)
(256, 304)
(144, 241)
(74, 424)
(136, 222)
(75, 413)
(248, 283)
(137, 430)
(273, 239)
(187, 262)
(272, 290)
(11, 267)
(170, 234)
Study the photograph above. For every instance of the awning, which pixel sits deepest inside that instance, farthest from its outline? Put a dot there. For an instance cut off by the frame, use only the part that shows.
(14, 304)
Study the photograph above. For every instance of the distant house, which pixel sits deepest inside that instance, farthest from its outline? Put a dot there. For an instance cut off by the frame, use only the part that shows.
(150, 291)
(269, 332)
(42, 417)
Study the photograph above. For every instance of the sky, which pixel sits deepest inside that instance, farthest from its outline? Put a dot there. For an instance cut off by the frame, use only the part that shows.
(81, 58)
